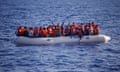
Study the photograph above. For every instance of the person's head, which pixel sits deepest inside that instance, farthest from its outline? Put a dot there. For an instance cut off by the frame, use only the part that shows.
(73, 23)
(33, 28)
(22, 27)
(40, 27)
(92, 22)
(53, 27)
(58, 24)
(30, 28)
(97, 26)
(81, 23)
(25, 27)
(44, 28)
(19, 27)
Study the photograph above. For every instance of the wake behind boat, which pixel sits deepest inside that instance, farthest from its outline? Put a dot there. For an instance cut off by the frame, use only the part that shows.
(83, 33)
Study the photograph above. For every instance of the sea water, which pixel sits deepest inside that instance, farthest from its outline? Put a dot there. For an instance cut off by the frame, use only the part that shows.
(77, 57)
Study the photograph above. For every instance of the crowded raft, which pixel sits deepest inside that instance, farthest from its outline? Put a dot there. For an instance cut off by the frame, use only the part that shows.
(80, 29)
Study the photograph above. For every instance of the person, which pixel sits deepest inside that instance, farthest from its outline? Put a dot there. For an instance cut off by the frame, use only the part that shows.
(73, 27)
(54, 32)
(82, 28)
(86, 30)
(62, 29)
(96, 30)
(90, 29)
(36, 31)
(50, 30)
(67, 31)
(78, 32)
(58, 29)
(19, 31)
(31, 32)
(39, 32)
(44, 32)
(25, 29)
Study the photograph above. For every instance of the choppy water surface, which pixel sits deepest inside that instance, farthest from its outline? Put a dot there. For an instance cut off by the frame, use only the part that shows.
(104, 57)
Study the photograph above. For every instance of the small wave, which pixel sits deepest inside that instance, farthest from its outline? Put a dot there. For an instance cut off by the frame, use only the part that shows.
(7, 39)
(112, 50)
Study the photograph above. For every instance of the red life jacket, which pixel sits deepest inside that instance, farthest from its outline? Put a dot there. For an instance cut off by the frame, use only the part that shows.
(39, 31)
(18, 30)
(21, 31)
(77, 31)
(54, 32)
(44, 32)
(73, 26)
(58, 26)
(50, 30)
(67, 30)
(97, 28)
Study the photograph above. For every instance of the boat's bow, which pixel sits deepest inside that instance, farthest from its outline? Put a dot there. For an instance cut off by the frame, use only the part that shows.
(95, 38)
(106, 38)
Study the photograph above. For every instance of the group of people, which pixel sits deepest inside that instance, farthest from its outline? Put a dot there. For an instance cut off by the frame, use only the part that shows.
(59, 30)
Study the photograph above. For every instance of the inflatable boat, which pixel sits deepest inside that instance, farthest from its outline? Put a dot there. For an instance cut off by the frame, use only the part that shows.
(21, 40)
